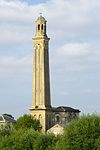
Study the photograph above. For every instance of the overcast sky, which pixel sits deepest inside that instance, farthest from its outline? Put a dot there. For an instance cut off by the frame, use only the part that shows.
(74, 29)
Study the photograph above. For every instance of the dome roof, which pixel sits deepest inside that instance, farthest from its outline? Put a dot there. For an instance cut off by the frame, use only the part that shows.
(41, 17)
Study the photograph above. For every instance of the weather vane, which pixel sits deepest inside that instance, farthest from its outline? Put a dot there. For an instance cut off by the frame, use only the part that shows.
(40, 14)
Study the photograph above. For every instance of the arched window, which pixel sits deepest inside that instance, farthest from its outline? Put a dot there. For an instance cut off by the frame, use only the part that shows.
(40, 118)
(57, 118)
(45, 29)
(42, 27)
(34, 116)
(38, 27)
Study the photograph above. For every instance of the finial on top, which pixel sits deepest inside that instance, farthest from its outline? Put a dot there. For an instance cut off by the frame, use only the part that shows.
(40, 14)
(41, 17)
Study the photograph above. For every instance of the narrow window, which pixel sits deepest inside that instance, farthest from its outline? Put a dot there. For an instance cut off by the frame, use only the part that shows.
(57, 119)
(34, 116)
(38, 27)
(45, 29)
(40, 118)
(42, 27)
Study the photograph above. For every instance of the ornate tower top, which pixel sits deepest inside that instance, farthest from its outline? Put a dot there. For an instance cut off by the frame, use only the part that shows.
(41, 17)
(40, 27)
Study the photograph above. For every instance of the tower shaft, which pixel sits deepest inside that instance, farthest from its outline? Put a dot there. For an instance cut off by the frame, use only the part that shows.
(41, 81)
(41, 103)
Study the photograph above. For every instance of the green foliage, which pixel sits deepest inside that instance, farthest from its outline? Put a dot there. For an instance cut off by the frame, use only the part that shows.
(46, 142)
(27, 121)
(20, 135)
(5, 133)
(82, 134)
(6, 129)
(22, 139)
(97, 143)
(60, 144)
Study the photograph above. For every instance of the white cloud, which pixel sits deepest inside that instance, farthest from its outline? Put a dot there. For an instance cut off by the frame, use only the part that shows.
(71, 18)
(10, 66)
(73, 26)
(73, 15)
(92, 91)
(17, 21)
(14, 36)
(74, 49)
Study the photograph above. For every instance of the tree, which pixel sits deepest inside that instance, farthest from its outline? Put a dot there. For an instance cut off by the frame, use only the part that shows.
(22, 139)
(27, 121)
(46, 142)
(6, 129)
(83, 134)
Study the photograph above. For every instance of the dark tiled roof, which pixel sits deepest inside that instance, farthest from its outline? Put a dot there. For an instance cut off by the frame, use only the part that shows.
(65, 109)
(6, 118)
(41, 18)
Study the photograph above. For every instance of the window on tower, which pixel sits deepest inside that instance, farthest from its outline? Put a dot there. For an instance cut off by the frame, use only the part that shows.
(42, 27)
(38, 27)
(45, 29)
(40, 118)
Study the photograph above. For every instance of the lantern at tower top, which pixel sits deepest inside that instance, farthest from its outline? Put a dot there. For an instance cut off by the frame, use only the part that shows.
(41, 27)
(41, 17)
